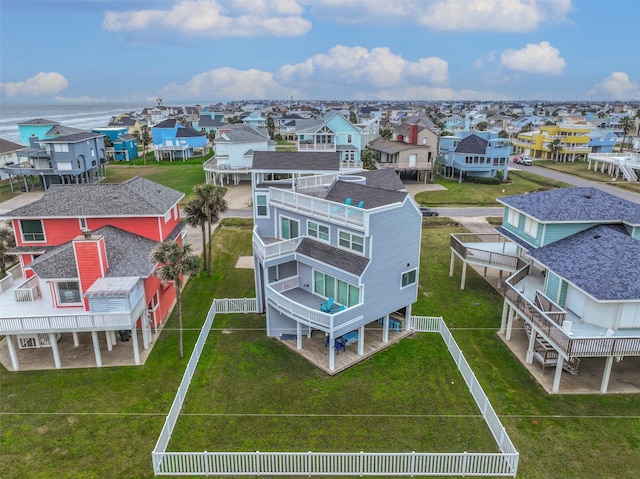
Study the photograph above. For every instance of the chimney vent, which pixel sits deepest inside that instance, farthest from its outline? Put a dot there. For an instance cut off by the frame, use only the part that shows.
(86, 233)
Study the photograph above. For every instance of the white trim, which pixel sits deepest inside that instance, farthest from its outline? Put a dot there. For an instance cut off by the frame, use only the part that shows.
(350, 247)
(415, 280)
(266, 205)
(279, 229)
(44, 233)
(319, 224)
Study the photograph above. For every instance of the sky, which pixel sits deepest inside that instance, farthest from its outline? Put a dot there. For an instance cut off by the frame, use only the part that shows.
(193, 51)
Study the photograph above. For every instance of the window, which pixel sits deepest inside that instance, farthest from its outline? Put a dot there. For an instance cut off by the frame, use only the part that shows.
(513, 218)
(351, 241)
(330, 287)
(531, 227)
(83, 223)
(167, 216)
(289, 228)
(261, 205)
(349, 139)
(32, 230)
(318, 231)
(408, 278)
(61, 147)
(68, 292)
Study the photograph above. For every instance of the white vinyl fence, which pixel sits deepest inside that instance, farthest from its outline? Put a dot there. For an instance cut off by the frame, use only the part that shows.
(310, 463)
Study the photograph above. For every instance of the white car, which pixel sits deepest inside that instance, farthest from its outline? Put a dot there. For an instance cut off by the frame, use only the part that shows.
(526, 161)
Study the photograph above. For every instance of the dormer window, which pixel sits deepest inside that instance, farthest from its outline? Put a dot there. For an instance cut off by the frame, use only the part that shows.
(32, 230)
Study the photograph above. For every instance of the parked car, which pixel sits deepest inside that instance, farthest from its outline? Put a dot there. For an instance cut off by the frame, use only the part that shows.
(426, 211)
(523, 160)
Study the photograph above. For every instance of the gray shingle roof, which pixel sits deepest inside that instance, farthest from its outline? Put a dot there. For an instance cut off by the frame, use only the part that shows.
(575, 204)
(336, 257)
(7, 146)
(296, 161)
(168, 123)
(372, 197)
(135, 197)
(74, 137)
(188, 132)
(38, 121)
(127, 255)
(473, 144)
(386, 179)
(600, 260)
(236, 133)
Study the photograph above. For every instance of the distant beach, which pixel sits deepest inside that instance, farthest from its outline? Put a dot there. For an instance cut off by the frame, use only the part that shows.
(84, 117)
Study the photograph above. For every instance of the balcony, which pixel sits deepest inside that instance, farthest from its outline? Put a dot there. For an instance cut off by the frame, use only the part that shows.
(310, 146)
(491, 250)
(523, 293)
(303, 306)
(23, 311)
(337, 213)
(274, 249)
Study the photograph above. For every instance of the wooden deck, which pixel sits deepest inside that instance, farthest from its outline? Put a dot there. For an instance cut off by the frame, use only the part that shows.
(315, 351)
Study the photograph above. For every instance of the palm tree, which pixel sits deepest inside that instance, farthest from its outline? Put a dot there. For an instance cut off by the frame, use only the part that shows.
(196, 217)
(145, 138)
(7, 241)
(626, 123)
(386, 133)
(555, 148)
(174, 262)
(368, 158)
(211, 201)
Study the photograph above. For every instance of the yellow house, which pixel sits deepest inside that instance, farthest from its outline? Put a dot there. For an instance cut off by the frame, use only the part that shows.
(573, 141)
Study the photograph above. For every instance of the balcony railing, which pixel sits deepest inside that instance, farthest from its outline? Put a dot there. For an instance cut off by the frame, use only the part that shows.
(80, 322)
(484, 257)
(312, 181)
(552, 331)
(27, 291)
(13, 275)
(351, 216)
(274, 250)
(317, 146)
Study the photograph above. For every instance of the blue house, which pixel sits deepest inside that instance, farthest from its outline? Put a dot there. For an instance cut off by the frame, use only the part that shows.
(332, 132)
(575, 258)
(602, 141)
(171, 140)
(336, 256)
(480, 154)
(209, 121)
(125, 146)
(57, 154)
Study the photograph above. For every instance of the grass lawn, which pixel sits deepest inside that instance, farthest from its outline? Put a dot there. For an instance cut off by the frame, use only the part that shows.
(472, 194)
(579, 169)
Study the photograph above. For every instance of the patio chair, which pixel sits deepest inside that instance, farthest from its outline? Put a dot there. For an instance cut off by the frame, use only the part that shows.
(361, 204)
(347, 201)
(326, 306)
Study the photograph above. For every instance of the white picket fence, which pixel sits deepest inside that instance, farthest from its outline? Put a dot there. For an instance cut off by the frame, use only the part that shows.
(258, 463)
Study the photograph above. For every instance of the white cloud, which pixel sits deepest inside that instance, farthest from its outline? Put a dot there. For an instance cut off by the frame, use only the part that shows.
(453, 15)
(617, 86)
(534, 58)
(79, 100)
(48, 83)
(377, 73)
(214, 19)
(229, 83)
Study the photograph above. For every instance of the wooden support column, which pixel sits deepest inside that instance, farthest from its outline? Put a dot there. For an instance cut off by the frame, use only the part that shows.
(108, 338)
(385, 329)
(503, 321)
(331, 351)
(298, 335)
(558, 375)
(361, 341)
(464, 274)
(500, 279)
(12, 353)
(510, 323)
(532, 344)
(452, 263)
(96, 348)
(54, 349)
(606, 375)
(136, 352)
(76, 339)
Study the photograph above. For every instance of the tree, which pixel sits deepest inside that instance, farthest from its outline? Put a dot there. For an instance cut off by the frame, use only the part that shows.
(196, 217)
(368, 158)
(145, 138)
(210, 200)
(526, 128)
(386, 133)
(271, 126)
(352, 117)
(626, 123)
(503, 134)
(481, 126)
(555, 148)
(175, 261)
(7, 241)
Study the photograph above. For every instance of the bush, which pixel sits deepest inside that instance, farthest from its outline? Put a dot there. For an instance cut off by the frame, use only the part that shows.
(482, 181)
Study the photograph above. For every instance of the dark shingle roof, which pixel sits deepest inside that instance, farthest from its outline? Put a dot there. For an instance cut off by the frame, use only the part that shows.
(575, 204)
(7, 146)
(336, 257)
(472, 144)
(386, 179)
(135, 197)
(127, 255)
(168, 123)
(38, 121)
(296, 160)
(237, 133)
(73, 137)
(370, 196)
(188, 132)
(601, 260)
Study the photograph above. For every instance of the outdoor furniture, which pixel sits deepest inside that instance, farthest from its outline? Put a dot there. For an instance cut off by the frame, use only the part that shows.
(326, 306)
(350, 338)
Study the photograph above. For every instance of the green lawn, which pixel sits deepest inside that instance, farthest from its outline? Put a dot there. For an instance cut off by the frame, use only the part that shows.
(96, 423)
(579, 169)
(472, 194)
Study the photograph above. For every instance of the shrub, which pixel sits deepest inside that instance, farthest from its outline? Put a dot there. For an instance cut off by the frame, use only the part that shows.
(482, 181)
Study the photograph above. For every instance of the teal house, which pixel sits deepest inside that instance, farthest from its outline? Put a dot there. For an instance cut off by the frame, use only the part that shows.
(125, 146)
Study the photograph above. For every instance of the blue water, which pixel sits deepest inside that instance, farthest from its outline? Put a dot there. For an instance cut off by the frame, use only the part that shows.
(84, 117)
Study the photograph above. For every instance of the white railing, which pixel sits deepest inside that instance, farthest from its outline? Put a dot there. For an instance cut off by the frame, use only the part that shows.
(237, 305)
(13, 274)
(627, 172)
(317, 146)
(424, 324)
(81, 322)
(311, 463)
(316, 180)
(27, 291)
(310, 316)
(351, 216)
(274, 250)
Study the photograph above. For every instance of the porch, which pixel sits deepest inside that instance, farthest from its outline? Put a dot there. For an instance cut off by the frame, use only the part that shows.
(315, 351)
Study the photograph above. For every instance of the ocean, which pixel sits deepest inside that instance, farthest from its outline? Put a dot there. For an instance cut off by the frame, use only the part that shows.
(84, 117)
